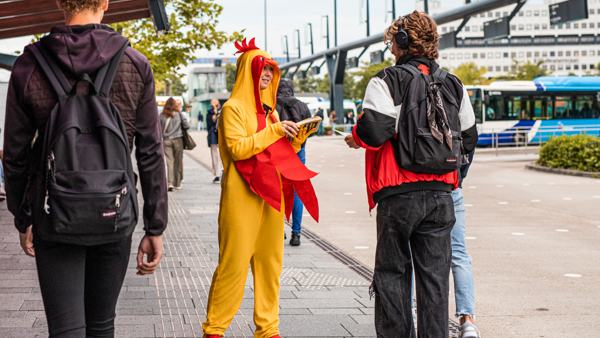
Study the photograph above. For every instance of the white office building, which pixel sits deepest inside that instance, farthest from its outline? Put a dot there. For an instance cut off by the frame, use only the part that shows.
(568, 48)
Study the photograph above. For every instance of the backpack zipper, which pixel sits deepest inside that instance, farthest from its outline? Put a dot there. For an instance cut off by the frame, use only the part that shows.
(49, 175)
(118, 207)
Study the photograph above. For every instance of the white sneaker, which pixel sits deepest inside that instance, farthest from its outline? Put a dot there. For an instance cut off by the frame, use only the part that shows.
(468, 330)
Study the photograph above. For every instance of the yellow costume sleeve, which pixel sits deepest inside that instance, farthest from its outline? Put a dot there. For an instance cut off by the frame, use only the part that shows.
(241, 147)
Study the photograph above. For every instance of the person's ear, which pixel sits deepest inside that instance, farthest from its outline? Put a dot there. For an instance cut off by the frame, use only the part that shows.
(105, 6)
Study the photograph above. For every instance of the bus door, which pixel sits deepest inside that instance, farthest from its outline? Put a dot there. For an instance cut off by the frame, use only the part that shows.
(541, 106)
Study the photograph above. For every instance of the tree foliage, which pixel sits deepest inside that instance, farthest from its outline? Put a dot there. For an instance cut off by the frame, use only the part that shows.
(526, 71)
(349, 83)
(230, 71)
(193, 27)
(470, 74)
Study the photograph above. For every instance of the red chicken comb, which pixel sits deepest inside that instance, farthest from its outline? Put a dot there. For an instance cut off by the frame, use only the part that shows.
(245, 47)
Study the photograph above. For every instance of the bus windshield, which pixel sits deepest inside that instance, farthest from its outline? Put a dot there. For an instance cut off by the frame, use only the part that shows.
(476, 102)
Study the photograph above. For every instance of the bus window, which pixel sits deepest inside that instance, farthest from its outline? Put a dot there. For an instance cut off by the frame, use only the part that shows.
(542, 108)
(583, 105)
(475, 96)
(563, 108)
(518, 108)
(495, 110)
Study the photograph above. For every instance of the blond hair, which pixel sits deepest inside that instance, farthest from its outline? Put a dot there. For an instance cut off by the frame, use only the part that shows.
(422, 34)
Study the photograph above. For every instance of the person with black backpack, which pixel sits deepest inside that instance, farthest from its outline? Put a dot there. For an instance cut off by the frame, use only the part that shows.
(417, 125)
(294, 110)
(84, 98)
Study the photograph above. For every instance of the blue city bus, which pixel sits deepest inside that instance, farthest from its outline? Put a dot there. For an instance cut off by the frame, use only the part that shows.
(524, 112)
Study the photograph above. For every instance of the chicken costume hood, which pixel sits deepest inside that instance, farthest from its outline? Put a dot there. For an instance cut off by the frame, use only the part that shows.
(261, 170)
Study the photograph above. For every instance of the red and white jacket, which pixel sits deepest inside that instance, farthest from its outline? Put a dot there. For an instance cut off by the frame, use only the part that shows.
(376, 131)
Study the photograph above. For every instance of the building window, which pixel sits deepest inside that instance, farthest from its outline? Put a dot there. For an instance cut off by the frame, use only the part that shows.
(536, 54)
(560, 54)
(490, 55)
(544, 12)
(491, 68)
(584, 25)
(513, 68)
(552, 67)
(560, 67)
(528, 27)
(467, 55)
(536, 13)
(474, 28)
(474, 55)
(584, 67)
(498, 68)
(444, 56)
(584, 53)
(451, 56)
(592, 53)
(505, 68)
(497, 14)
(592, 66)
(576, 53)
(521, 55)
(544, 26)
(560, 26)
(521, 27)
(498, 54)
(544, 67)
(591, 25)
(482, 15)
(552, 26)
(567, 53)
(513, 27)
(536, 26)
(452, 28)
(528, 54)
(490, 14)
(568, 25)
(482, 56)
(576, 25)
(521, 13)
(528, 13)
(576, 67)
(591, 11)
(504, 14)
(467, 28)
(552, 54)
(505, 55)
(444, 29)
(513, 55)
(567, 67)
(459, 56)
(544, 54)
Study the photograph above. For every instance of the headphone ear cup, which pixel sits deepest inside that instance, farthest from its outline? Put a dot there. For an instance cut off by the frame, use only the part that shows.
(402, 39)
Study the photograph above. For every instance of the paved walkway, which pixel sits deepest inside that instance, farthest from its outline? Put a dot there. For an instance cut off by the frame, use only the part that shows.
(320, 296)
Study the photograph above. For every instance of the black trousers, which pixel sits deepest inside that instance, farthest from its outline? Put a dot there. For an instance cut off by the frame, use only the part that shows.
(425, 219)
(80, 286)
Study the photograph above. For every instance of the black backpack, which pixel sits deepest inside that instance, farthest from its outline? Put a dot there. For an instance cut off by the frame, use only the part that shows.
(86, 191)
(420, 148)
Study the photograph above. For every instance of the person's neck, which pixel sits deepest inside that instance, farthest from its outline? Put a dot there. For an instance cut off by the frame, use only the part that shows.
(83, 18)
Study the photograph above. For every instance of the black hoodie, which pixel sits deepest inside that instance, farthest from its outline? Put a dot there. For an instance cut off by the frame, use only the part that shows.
(79, 50)
(289, 107)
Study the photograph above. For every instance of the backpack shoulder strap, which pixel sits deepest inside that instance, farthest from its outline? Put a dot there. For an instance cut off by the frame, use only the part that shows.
(106, 74)
(440, 75)
(56, 77)
(411, 69)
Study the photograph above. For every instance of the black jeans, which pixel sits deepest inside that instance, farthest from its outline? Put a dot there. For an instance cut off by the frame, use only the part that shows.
(80, 286)
(425, 219)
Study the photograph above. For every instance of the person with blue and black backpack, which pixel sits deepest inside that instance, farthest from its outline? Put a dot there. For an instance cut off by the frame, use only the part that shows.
(417, 124)
(90, 98)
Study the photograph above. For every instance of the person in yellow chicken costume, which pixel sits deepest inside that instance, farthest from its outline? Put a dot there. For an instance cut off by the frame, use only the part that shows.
(261, 173)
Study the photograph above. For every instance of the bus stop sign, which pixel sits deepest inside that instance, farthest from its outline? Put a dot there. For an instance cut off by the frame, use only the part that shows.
(567, 11)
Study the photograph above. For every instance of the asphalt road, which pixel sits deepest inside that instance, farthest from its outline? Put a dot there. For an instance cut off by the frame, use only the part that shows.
(534, 238)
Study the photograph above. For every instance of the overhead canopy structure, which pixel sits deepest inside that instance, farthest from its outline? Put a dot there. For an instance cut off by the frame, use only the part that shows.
(27, 17)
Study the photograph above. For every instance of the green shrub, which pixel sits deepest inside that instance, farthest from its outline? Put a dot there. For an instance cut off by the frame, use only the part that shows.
(327, 128)
(578, 152)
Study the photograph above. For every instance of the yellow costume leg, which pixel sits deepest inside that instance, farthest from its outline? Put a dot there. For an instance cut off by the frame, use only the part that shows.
(267, 264)
(238, 230)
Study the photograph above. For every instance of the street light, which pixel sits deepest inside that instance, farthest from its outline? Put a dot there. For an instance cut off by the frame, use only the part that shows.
(309, 37)
(325, 28)
(284, 46)
(297, 37)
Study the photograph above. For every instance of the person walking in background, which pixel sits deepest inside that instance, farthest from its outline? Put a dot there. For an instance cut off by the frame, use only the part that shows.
(332, 118)
(349, 122)
(82, 245)
(212, 116)
(294, 110)
(411, 181)
(319, 113)
(200, 120)
(172, 121)
(186, 115)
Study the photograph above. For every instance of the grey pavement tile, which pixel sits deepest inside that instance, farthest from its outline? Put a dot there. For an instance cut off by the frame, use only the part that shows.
(12, 314)
(363, 319)
(319, 303)
(134, 331)
(32, 305)
(335, 311)
(15, 290)
(14, 332)
(364, 330)
(312, 326)
(17, 322)
(325, 294)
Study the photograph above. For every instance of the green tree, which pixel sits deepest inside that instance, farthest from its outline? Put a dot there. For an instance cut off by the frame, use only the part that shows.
(307, 85)
(193, 27)
(469, 74)
(230, 71)
(364, 75)
(527, 70)
(349, 83)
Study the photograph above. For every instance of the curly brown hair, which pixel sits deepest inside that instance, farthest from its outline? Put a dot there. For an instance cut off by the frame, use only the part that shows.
(170, 108)
(78, 6)
(422, 34)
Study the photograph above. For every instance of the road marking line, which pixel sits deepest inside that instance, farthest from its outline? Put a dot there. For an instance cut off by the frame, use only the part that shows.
(502, 202)
(562, 230)
(535, 201)
(341, 165)
(470, 238)
(319, 166)
(361, 247)
(472, 187)
(351, 212)
(567, 198)
(468, 205)
(518, 234)
(572, 275)
(595, 196)
(347, 193)
(499, 186)
(526, 184)
(551, 183)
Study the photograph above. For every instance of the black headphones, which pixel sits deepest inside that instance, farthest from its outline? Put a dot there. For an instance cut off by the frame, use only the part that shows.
(401, 38)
